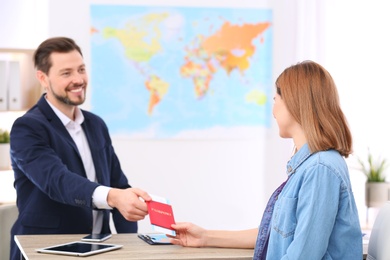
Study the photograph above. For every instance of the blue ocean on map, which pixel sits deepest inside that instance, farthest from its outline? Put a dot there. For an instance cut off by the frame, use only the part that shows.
(181, 72)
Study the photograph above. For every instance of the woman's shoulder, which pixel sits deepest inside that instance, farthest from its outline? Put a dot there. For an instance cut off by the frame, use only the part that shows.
(329, 157)
(328, 162)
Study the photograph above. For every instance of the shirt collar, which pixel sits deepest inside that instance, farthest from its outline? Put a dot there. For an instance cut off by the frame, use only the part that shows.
(79, 117)
(298, 158)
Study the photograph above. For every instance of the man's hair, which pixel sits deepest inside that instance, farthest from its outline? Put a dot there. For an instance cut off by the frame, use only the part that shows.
(311, 96)
(42, 54)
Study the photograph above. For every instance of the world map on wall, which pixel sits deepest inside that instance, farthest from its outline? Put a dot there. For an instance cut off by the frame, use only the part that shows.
(181, 72)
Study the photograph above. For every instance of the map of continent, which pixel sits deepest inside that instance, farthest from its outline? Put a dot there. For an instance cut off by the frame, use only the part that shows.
(171, 72)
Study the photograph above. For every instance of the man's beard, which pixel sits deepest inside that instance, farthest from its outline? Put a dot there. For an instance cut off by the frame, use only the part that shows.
(65, 99)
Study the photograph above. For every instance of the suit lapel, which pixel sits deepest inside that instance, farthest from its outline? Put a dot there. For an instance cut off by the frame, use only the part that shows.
(58, 126)
(90, 133)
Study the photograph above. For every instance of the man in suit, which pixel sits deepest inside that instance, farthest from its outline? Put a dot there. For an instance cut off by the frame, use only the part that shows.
(67, 175)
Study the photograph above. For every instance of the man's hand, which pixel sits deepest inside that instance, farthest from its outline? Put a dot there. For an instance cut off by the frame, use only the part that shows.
(129, 202)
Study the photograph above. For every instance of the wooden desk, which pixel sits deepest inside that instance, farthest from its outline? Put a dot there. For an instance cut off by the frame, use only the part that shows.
(133, 248)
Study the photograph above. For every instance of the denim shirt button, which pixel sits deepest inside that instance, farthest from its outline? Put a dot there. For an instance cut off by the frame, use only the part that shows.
(289, 168)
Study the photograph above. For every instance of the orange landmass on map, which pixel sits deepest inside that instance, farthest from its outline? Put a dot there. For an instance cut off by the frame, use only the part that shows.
(229, 48)
(201, 75)
(157, 89)
(232, 44)
(94, 30)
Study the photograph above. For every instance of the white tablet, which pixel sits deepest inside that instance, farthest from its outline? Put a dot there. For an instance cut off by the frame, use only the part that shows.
(78, 248)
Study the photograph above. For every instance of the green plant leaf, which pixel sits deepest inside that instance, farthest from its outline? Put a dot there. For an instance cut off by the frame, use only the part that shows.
(373, 169)
(4, 136)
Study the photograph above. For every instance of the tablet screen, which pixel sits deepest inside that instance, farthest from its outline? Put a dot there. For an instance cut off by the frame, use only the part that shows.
(79, 248)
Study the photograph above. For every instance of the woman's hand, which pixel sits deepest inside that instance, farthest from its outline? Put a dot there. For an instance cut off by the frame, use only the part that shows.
(189, 234)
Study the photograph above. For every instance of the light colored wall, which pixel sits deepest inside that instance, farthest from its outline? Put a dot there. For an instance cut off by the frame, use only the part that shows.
(357, 56)
(23, 23)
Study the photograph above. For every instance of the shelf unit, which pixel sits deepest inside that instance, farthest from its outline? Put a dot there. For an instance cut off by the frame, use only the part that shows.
(19, 89)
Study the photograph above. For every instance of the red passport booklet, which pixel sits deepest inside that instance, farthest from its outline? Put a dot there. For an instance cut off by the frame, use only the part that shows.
(161, 217)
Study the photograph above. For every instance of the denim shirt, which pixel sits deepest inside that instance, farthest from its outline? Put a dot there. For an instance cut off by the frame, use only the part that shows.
(315, 216)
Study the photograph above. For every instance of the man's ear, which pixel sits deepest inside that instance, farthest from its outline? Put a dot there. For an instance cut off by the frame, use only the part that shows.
(42, 77)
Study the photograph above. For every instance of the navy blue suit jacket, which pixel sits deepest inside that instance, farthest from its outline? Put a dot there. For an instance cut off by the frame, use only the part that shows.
(54, 195)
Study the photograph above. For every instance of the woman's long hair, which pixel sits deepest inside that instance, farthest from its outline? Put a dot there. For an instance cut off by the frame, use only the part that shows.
(311, 97)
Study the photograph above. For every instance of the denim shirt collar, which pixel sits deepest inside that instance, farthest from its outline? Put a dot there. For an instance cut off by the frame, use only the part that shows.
(297, 159)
